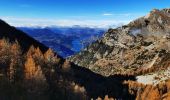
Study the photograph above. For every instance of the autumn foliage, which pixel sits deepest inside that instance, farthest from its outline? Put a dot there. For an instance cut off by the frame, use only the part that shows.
(38, 75)
(30, 74)
(23, 69)
(160, 91)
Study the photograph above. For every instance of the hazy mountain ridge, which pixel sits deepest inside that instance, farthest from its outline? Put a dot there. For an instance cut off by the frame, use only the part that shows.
(65, 41)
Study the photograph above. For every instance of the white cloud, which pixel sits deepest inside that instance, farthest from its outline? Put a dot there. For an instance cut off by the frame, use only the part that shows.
(107, 14)
(62, 22)
(122, 15)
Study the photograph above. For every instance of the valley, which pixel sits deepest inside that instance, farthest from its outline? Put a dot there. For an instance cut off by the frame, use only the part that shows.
(66, 41)
(128, 62)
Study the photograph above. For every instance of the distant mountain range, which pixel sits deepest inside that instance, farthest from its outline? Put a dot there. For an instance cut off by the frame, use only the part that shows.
(65, 41)
(131, 62)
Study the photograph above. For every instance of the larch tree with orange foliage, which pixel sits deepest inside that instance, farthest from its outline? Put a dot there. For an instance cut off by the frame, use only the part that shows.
(33, 71)
(10, 59)
(153, 94)
(36, 54)
(30, 68)
(34, 75)
(51, 57)
(16, 62)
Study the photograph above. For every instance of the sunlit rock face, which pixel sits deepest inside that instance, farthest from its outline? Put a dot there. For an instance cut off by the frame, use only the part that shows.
(140, 44)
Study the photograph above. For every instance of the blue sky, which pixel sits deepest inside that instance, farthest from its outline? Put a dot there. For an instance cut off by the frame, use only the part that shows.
(76, 12)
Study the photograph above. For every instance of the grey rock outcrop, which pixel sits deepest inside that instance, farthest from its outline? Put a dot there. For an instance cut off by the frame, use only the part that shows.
(129, 47)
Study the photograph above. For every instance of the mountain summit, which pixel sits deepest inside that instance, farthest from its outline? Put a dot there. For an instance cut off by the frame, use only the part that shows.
(141, 44)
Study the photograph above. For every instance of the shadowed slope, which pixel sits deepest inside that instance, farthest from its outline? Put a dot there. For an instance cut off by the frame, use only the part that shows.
(25, 41)
(89, 84)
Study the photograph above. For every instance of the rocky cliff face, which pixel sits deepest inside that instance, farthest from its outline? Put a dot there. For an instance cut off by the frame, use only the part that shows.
(142, 44)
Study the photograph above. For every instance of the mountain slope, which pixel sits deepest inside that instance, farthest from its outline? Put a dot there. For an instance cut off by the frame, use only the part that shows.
(25, 41)
(142, 44)
(131, 50)
(37, 75)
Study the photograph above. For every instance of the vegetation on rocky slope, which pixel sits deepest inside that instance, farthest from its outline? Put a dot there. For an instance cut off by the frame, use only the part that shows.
(140, 45)
(44, 76)
(31, 71)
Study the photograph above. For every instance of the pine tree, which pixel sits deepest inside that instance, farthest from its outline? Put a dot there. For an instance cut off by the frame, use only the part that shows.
(30, 51)
(49, 55)
(30, 68)
(38, 54)
(34, 76)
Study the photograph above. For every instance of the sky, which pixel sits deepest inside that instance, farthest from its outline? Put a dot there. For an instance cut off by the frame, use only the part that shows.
(76, 12)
